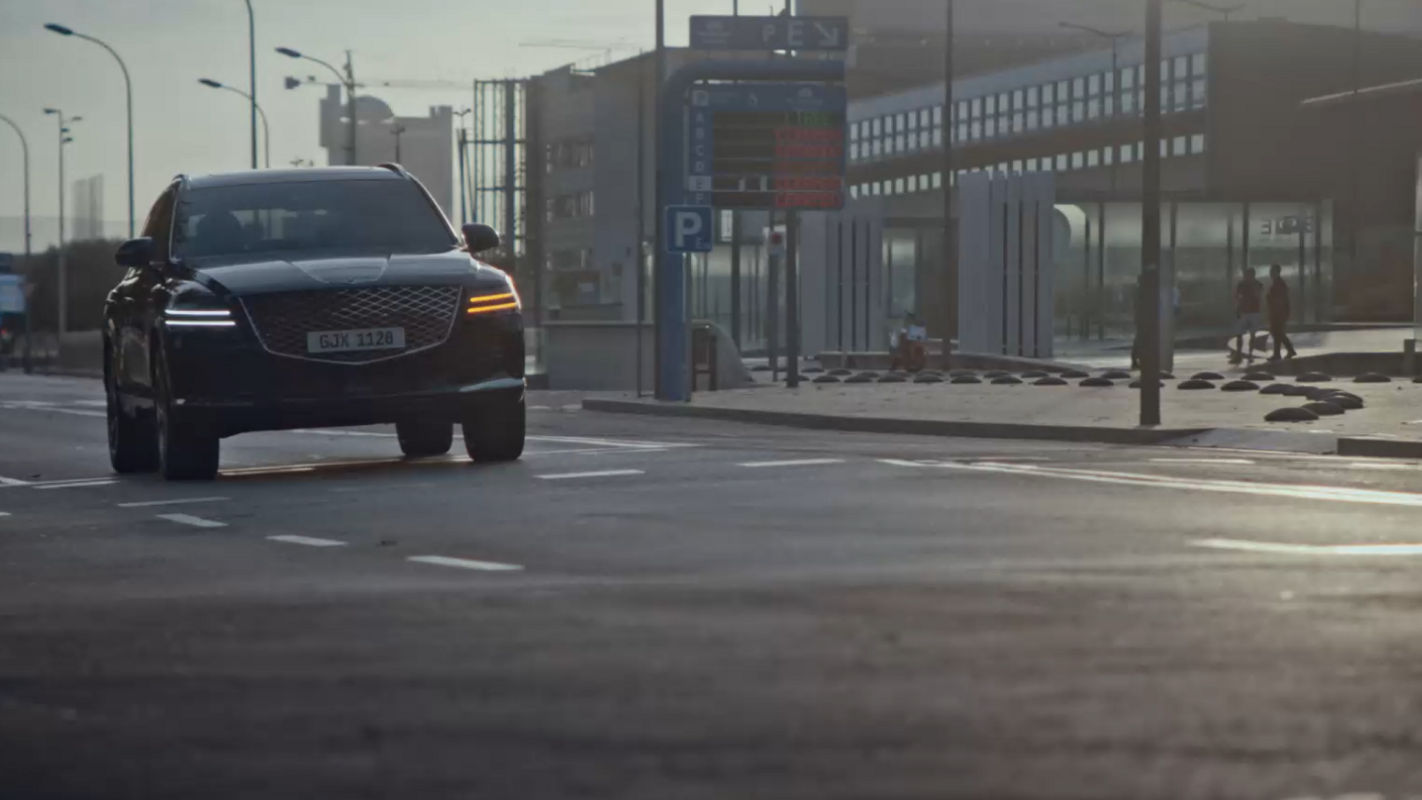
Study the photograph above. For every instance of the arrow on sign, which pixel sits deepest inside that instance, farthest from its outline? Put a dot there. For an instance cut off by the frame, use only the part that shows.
(829, 35)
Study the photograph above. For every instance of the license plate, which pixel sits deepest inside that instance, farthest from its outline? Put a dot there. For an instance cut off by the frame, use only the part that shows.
(359, 339)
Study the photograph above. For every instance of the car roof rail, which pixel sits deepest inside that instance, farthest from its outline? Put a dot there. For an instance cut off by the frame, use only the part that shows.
(395, 168)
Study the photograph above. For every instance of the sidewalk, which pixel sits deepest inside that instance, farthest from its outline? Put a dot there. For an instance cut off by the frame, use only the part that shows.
(1392, 414)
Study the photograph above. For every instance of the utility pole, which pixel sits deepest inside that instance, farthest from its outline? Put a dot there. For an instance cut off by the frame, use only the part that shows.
(657, 199)
(396, 131)
(736, 251)
(949, 291)
(792, 281)
(1355, 177)
(350, 110)
(252, 91)
(1150, 224)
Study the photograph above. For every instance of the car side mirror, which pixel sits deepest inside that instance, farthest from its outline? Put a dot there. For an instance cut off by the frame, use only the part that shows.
(480, 237)
(135, 252)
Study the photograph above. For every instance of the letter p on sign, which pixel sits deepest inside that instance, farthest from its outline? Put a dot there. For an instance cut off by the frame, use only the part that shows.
(689, 229)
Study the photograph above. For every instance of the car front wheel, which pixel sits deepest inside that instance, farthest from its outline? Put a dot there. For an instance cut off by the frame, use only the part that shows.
(419, 439)
(187, 451)
(495, 430)
(132, 446)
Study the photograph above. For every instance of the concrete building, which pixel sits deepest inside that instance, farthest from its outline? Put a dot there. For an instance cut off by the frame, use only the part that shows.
(425, 144)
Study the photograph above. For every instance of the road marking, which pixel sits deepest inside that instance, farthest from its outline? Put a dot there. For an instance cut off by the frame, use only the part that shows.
(804, 462)
(4, 513)
(75, 484)
(607, 473)
(1370, 465)
(1243, 461)
(1304, 492)
(1312, 549)
(178, 502)
(35, 405)
(196, 522)
(309, 541)
(4, 481)
(625, 443)
(465, 563)
(334, 432)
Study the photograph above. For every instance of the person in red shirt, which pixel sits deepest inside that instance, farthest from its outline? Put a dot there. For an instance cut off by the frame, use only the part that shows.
(1279, 312)
(1248, 299)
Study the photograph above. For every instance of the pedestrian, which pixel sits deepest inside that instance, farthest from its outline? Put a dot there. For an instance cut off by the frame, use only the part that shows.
(1248, 298)
(1279, 311)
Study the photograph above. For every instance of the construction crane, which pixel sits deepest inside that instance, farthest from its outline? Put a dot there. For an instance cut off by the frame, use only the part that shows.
(311, 80)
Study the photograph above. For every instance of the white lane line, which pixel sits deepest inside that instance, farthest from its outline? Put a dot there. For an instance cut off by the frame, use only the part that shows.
(4, 481)
(178, 502)
(626, 443)
(4, 513)
(309, 541)
(1243, 461)
(92, 403)
(1303, 492)
(804, 462)
(1371, 465)
(465, 563)
(196, 522)
(336, 432)
(607, 473)
(74, 485)
(1311, 549)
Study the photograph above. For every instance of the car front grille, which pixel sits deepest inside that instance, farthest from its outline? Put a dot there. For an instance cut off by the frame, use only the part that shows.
(425, 312)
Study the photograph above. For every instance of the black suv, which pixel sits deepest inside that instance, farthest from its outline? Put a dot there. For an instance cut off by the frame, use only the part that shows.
(305, 298)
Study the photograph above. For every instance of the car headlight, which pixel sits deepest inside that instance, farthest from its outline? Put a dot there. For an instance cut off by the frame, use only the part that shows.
(492, 299)
(195, 307)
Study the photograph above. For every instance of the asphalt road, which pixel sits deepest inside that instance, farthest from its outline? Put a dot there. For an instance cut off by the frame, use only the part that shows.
(656, 608)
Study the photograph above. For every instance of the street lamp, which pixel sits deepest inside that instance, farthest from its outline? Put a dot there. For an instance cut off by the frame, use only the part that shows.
(128, 94)
(63, 268)
(25, 157)
(1217, 9)
(347, 80)
(266, 130)
(252, 91)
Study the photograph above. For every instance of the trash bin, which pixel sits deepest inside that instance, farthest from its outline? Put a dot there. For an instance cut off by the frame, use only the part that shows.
(703, 358)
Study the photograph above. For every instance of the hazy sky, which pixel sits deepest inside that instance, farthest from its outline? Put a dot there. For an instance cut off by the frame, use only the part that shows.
(183, 126)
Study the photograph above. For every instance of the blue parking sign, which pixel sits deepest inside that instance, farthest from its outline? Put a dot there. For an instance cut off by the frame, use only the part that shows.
(689, 229)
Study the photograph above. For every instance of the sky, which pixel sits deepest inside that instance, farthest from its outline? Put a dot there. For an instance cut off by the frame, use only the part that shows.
(181, 126)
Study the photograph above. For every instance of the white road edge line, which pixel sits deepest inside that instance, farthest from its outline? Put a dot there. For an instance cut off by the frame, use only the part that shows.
(309, 541)
(1242, 461)
(74, 485)
(1311, 549)
(178, 502)
(607, 473)
(465, 563)
(804, 462)
(1303, 492)
(4, 481)
(196, 522)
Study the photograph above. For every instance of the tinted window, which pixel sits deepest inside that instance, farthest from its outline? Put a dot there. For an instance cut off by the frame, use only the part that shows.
(382, 216)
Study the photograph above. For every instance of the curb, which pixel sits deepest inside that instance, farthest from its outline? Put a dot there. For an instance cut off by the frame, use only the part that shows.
(912, 427)
(1378, 448)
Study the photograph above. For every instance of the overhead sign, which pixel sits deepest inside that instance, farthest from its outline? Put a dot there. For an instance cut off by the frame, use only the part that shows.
(767, 146)
(769, 33)
(689, 229)
(12, 294)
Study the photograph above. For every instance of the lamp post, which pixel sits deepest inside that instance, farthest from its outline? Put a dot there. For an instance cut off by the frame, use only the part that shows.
(266, 130)
(252, 91)
(347, 80)
(1150, 223)
(128, 98)
(25, 158)
(63, 268)
(396, 130)
(1115, 37)
(1225, 11)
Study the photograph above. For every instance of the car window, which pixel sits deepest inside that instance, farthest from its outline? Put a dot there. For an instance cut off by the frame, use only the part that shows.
(363, 215)
(160, 224)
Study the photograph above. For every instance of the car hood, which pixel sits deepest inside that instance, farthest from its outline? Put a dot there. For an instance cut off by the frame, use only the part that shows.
(247, 277)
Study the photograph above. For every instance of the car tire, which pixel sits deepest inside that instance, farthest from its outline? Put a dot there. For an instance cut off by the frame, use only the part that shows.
(495, 430)
(133, 446)
(187, 451)
(419, 439)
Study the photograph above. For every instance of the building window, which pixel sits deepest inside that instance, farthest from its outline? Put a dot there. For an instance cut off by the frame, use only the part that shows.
(1128, 153)
(1198, 66)
(1061, 162)
(1093, 157)
(1078, 160)
(1197, 143)
(1108, 155)
(1180, 145)
(1197, 99)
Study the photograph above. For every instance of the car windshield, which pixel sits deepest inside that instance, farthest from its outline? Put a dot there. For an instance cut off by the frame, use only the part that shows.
(264, 218)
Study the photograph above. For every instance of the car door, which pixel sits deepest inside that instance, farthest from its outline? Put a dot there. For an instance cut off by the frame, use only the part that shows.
(135, 298)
